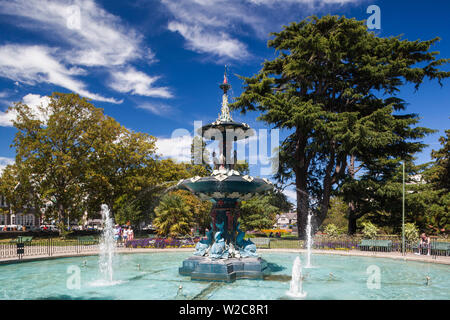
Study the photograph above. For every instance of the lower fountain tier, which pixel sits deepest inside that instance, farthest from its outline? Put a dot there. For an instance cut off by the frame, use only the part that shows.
(221, 186)
(204, 268)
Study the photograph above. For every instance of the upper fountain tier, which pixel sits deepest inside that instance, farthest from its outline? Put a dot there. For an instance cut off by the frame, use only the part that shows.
(225, 122)
(225, 182)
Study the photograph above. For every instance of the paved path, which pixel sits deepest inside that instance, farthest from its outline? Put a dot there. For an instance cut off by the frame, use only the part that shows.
(94, 251)
(390, 255)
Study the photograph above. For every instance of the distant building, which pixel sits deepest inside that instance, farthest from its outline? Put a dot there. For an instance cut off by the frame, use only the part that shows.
(19, 218)
(285, 220)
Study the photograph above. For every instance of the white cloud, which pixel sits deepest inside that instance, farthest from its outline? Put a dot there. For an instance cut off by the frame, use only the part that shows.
(89, 37)
(213, 26)
(34, 64)
(219, 44)
(307, 2)
(137, 82)
(4, 162)
(176, 148)
(97, 37)
(31, 100)
(158, 108)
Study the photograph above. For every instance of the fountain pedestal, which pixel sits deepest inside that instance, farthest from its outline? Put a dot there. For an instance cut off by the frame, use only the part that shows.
(204, 268)
(228, 256)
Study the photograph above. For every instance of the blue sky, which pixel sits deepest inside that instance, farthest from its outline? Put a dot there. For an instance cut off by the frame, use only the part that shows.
(155, 65)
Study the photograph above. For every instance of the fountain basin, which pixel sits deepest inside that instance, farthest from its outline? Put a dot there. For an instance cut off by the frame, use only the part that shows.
(228, 270)
(158, 279)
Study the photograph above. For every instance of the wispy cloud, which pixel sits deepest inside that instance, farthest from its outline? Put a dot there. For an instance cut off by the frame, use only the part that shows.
(214, 26)
(137, 83)
(200, 40)
(98, 39)
(37, 64)
(159, 109)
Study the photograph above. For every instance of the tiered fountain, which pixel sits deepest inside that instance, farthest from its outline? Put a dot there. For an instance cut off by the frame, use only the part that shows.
(225, 255)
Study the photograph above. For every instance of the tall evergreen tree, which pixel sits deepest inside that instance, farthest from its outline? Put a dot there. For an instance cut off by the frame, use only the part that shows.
(333, 86)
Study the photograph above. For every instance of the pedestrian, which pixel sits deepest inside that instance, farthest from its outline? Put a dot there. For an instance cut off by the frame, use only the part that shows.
(424, 243)
(130, 233)
(117, 232)
(124, 235)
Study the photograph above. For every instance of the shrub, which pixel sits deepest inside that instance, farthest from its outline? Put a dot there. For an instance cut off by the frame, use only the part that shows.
(411, 232)
(161, 243)
(331, 230)
(369, 231)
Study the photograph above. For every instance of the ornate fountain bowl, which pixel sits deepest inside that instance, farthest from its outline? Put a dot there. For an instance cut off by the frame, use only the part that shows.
(225, 185)
(225, 255)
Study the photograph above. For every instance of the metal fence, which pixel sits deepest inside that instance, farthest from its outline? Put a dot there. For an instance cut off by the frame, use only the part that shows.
(45, 247)
(435, 248)
(50, 247)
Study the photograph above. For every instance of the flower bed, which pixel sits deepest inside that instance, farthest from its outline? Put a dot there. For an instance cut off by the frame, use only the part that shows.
(162, 243)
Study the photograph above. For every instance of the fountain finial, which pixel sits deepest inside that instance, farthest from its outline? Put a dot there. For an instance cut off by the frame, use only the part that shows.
(225, 111)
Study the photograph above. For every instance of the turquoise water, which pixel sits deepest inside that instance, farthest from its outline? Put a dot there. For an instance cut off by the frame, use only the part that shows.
(158, 278)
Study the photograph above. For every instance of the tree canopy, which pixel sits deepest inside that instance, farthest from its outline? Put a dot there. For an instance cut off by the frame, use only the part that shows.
(333, 88)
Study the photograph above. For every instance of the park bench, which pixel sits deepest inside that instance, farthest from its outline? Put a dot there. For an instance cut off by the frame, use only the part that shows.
(259, 242)
(440, 247)
(85, 240)
(437, 248)
(375, 245)
(22, 239)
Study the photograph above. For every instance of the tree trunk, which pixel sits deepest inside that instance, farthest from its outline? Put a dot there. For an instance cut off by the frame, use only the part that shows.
(327, 188)
(301, 173)
(302, 205)
(352, 218)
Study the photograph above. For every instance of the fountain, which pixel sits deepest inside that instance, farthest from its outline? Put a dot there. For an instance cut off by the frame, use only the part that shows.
(296, 287)
(107, 246)
(308, 241)
(225, 255)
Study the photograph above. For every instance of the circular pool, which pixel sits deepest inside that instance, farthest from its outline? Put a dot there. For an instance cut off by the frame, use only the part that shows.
(155, 276)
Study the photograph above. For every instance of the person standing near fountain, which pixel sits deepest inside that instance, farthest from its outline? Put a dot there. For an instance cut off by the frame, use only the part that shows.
(130, 233)
(117, 233)
(124, 235)
(424, 243)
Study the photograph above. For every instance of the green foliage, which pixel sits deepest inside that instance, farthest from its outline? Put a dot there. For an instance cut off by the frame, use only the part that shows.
(332, 88)
(54, 154)
(200, 209)
(331, 230)
(242, 167)
(337, 214)
(63, 231)
(79, 158)
(369, 230)
(411, 232)
(258, 213)
(128, 212)
(173, 216)
(440, 173)
(200, 155)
